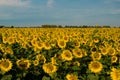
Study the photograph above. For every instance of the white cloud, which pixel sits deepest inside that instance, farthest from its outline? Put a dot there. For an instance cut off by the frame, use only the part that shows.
(14, 3)
(50, 3)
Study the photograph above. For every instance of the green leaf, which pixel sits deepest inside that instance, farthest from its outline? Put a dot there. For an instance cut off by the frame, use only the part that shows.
(2, 72)
(6, 77)
(45, 78)
(24, 74)
(53, 76)
(88, 71)
(76, 68)
(18, 79)
(92, 77)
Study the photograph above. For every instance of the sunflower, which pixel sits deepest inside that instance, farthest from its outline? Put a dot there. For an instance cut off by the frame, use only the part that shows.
(34, 42)
(67, 55)
(47, 45)
(10, 40)
(66, 38)
(61, 44)
(118, 47)
(96, 56)
(76, 43)
(76, 63)
(39, 45)
(53, 60)
(95, 66)
(23, 64)
(96, 40)
(49, 68)
(114, 59)
(84, 53)
(53, 42)
(36, 62)
(115, 74)
(111, 51)
(40, 57)
(8, 50)
(4, 39)
(104, 51)
(5, 65)
(77, 53)
(72, 77)
(94, 49)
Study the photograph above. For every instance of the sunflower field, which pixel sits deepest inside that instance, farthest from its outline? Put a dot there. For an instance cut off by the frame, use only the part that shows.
(60, 54)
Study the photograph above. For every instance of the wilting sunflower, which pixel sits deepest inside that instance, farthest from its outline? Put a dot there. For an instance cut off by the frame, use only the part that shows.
(61, 43)
(67, 55)
(95, 66)
(72, 77)
(49, 68)
(115, 74)
(5, 65)
(23, 64)
(114, 59)
(77, 53)
(96, 56)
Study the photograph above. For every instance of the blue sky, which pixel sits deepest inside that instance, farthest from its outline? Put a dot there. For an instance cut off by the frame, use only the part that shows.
(59, 12)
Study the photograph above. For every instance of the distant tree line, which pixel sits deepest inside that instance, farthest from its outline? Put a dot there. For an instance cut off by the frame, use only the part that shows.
(69, 26)
(60, 26)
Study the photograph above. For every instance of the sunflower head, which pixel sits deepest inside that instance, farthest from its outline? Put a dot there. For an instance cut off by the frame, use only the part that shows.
(94, 49)
(49, 68)
(115, 74)
(95, 66)
(61, 43)
(71, 77)
(36, 62)
(76, 63)
(53, 60)
(47, 45)
(5, 65)
(39, 45)
(23, 64)
(111, 51)
(67, 55)
(114, 59)
(96, 40)
(104, 51)
(77, 53)
(96, 56)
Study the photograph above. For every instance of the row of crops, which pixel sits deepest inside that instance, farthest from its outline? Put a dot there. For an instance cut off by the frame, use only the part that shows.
(60, 54)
